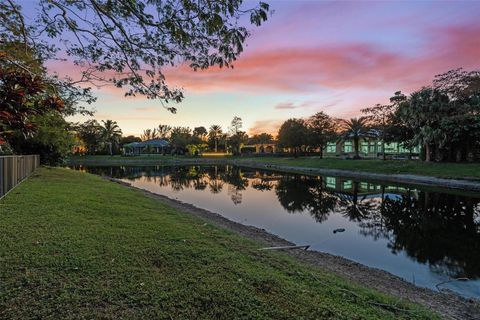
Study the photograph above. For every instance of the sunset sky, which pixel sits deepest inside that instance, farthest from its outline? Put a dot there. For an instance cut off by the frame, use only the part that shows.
(311, 56)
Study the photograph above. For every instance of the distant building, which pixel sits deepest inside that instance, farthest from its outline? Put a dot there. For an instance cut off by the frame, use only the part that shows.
(153, 146)
(369, 146)
(261, 148)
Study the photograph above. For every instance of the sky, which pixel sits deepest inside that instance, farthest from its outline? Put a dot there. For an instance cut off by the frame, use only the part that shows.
(310, 56)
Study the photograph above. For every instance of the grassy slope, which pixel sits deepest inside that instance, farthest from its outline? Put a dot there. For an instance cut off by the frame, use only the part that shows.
(446, 170)
(77, 246)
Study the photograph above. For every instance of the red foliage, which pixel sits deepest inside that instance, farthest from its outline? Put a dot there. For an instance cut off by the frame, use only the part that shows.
(23, 96)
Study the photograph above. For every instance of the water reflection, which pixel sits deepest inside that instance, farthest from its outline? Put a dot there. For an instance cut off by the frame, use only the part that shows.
(437, 230)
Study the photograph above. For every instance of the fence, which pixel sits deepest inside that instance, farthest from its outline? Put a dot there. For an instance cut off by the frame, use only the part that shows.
(13, 169)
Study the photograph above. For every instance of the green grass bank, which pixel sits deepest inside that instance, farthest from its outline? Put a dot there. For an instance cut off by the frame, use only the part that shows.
(441, 170)
(77, 246)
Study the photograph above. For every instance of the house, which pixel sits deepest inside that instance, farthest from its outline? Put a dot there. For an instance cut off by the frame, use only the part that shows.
(370, 145)
(153, 146)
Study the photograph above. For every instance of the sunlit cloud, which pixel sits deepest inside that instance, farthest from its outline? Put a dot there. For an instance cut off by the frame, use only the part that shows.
(336, 57)
(268, 126)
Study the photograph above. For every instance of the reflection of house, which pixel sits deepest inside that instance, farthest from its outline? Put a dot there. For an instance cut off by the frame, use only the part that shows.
(368, 189)
(369, 146)
(153, 146)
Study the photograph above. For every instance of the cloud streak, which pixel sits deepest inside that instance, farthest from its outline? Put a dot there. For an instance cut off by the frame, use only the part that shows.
(353, 65)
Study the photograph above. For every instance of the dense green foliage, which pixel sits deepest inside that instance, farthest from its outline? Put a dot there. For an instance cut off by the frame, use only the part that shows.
(52, 140)
(33, 104)
(100, 138)
(443, 118)
(321, 130)
(294, 135)
(90, 248)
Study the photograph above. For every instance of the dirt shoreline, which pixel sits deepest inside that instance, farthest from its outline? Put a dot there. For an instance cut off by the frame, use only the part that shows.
(448, 305)
(402, 178)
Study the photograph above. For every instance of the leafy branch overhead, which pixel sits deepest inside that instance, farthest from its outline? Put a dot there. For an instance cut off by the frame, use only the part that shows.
(130, 42)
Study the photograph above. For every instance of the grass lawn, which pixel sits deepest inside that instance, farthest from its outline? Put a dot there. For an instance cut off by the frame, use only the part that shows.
(444, 170)
(76, 246)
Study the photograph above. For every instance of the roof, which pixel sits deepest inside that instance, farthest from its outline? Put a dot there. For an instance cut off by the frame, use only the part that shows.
(156, 143)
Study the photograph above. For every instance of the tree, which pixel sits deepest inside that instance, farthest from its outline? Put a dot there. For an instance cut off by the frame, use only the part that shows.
(322, 128)
(235, 125)
(111, 134)
(293, 134)
(355, 128)
(53, 139)
(443, 118)
(91, 135)
(214, 135)
(237, 137)
(462, 121)
(200, 132)
(423, 113)
(237, 141)
(381, 117)
(148, 134)
(262, 138)
(23, 97)
(129, 139)
(180, 137)
(129, 43)
(163, 131)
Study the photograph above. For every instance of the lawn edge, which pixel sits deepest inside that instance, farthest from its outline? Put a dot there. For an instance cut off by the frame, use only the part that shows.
(447, 304)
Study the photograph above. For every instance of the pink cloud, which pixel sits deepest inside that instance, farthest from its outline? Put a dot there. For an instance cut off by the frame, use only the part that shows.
(304, 105)
(354, 65)
(331, 66)
(268, 126)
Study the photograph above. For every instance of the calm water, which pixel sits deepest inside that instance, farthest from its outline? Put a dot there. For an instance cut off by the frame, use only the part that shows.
(425, 237)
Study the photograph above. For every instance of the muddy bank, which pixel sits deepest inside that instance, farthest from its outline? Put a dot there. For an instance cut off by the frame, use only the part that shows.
(448, 305)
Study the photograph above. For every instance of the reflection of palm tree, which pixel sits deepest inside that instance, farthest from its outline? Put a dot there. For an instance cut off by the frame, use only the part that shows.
(303, 193)
(262, 185)
(163, 130)
(355, 208)
(234, 176)
(200, 183)
(216, 185)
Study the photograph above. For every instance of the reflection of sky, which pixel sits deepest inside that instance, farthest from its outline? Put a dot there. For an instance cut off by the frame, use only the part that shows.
(335, 56)
(262, 209)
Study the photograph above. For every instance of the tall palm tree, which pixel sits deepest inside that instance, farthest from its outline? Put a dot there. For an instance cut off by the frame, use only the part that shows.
(163, 130)
(354, 128)
(148, 134)
(111, 134)
(215, 134)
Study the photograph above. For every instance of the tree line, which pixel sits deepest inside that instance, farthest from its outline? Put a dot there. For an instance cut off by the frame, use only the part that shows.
(106, 138)
(442, 118)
